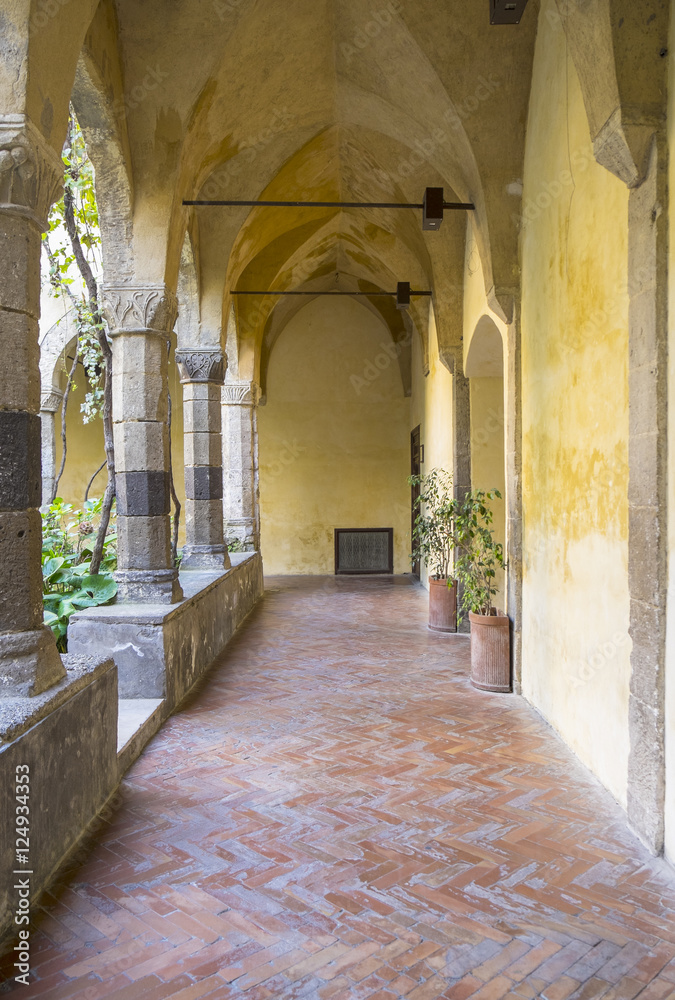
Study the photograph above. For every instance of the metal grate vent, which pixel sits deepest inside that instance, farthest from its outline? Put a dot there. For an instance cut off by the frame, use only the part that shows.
(364, 550)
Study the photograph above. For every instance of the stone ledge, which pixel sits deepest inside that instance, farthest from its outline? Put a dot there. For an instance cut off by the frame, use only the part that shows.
(18, 715)
(162, 650)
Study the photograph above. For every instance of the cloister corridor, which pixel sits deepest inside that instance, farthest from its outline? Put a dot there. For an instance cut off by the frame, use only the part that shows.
(338, 813)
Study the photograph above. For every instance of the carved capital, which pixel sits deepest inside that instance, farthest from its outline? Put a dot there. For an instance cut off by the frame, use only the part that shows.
(139, 309)
(201, 366)
(241, 393)
(51, 400)
(31, 173)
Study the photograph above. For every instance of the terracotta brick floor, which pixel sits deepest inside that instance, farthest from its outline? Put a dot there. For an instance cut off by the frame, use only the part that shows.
(339, 814)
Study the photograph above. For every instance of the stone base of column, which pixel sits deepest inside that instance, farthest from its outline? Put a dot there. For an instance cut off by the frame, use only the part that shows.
(205, 557)
(29, 663)
(151, 586)
(245, 531)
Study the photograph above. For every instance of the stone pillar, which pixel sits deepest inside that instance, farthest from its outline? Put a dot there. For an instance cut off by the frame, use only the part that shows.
(647, 495)
(49, 407)
(202, 373)
(140, 319)
(513, 421)
(30, 176)
(240, 462)
(461, 397)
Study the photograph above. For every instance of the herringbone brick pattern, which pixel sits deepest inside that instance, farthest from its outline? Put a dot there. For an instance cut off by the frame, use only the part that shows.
(338, 814)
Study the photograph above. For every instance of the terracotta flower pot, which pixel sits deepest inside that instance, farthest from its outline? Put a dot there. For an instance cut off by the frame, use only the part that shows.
(442, 606)
(490, 652)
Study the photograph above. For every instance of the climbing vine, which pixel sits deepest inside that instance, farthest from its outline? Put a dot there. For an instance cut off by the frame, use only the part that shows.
(72, 246)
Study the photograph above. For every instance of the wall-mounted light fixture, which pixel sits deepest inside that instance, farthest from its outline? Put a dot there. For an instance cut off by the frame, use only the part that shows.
(402, 294)
(432, 207)
(506, 11)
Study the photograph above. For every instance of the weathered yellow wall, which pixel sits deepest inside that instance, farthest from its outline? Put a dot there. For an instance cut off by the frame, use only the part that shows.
(670, 653)
(85, 450)
(431, 408)
(487, 457)
(576, 648)
(333, 450)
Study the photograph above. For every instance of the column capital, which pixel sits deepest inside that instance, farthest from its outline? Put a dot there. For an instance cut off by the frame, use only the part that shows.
(51, 400)
(202, 365)
(139, 309)
(241, 393)
(31, 173)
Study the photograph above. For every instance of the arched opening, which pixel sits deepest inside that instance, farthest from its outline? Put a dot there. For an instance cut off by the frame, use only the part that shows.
(333, 437)
(484, 367)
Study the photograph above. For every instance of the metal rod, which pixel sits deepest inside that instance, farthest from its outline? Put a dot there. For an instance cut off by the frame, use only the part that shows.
(450, 205)
(368, 294)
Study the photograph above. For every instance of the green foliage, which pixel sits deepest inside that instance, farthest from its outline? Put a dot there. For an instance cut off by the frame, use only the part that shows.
(433, 529)
(65, 278)
(68, 537)
(235, 545)
(477, 555)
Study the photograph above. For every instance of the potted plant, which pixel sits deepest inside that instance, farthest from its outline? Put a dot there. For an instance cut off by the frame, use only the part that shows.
(433, 540)
(477, 558)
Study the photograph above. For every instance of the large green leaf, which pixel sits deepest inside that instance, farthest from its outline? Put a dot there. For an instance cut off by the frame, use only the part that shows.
(99, 587)
(52, 566)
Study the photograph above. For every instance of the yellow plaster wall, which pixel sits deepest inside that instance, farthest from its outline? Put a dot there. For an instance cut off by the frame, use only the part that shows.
(333, 438)
(670, 651)
(431, 408)
(576, 648)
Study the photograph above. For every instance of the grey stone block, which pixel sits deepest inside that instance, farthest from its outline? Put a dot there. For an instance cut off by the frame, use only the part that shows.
(143, 543)
(20, 285)
(21, 578)
(141, 446)
(143, 494)
(67, 738)
(19, 359)
(204, 482)
(645, 554)
(20, 460)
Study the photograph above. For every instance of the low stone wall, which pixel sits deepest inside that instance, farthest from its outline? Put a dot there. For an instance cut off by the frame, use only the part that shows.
(162, 650)
(65, 742)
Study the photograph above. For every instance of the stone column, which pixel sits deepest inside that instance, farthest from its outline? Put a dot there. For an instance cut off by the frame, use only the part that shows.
(140, 319)
(30, 176)
(648, 494)
(49, 406)
(240, 462)
(202, 373)
(461, 413)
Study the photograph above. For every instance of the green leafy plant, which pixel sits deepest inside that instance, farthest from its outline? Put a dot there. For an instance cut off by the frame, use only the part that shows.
(434, 524)
(68, 540)
(477, 555)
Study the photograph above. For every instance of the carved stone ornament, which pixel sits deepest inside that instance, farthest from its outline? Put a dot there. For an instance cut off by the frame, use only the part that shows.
(50, 401)
(140, 309)
(241, 393)
(201, 366)
(31, 173)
